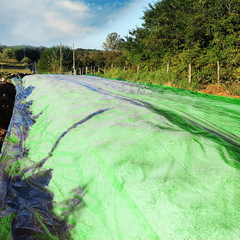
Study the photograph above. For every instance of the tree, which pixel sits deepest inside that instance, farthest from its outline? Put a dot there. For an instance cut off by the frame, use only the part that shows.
(184, 31)
(29, 51)
(112, 42)
(8, 53)
(98, 58)
(50, 60)
(26, 60)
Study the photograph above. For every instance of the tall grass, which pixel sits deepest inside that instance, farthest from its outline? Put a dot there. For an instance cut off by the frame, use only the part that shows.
(157, 77)
(233, 88)
(14, 71)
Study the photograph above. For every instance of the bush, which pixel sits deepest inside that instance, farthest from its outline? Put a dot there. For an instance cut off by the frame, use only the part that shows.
(156, 77)
(233, 88)
(26, 60)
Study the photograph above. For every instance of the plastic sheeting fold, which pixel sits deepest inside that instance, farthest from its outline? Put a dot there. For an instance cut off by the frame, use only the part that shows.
(92, 158)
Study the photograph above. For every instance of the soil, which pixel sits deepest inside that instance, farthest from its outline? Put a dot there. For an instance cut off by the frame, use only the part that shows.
(215, 89)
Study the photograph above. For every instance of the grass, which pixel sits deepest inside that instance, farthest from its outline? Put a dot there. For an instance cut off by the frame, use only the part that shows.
(5, 230)
(233, 88)
(12, 66)
(170, 79)
(157, 77)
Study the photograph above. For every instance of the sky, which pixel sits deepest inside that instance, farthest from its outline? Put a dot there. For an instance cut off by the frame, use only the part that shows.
(85, 24)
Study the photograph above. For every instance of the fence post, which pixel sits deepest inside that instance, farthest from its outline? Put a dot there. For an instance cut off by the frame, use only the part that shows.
(74, 69)
(98, 68)
(218, 72)
(190, 73)
(61, 58)
(137, 69)
(86, 70)
(168, 67)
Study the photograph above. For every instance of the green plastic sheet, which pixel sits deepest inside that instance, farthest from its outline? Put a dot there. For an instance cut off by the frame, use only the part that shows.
(144, 161)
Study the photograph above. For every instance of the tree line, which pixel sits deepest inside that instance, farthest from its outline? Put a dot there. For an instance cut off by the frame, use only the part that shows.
(180, 32)
(20, 52)
(50, 59)
(174, 34)
(47, 59)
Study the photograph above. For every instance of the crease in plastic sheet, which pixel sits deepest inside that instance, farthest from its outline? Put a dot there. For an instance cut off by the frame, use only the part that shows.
(107, 159)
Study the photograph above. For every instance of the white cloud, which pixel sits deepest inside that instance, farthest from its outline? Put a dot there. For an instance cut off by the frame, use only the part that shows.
(47, 22)
(99, 8)
(59, 23)
(73, 6)
(43, 20)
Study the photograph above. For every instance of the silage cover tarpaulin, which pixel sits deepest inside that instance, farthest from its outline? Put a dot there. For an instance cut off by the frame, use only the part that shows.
(92, 158)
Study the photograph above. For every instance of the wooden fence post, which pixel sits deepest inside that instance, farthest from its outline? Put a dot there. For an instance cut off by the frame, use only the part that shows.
(168, 67)
(61, 57)
(137, 69)
(86, 70)
(190, 73)
(74, 69)
(218, 72)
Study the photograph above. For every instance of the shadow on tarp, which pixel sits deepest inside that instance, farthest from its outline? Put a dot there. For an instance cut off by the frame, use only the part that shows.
(231, 143)
(26, 206)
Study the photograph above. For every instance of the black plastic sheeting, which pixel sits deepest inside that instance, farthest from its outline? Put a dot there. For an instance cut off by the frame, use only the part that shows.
(27, 200)
(7, 99)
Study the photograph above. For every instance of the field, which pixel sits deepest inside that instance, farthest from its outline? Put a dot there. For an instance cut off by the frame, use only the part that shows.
(12, 66)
